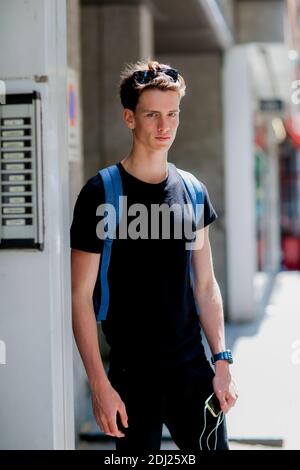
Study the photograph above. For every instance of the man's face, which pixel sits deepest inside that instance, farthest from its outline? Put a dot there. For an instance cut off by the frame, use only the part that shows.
(156, 118)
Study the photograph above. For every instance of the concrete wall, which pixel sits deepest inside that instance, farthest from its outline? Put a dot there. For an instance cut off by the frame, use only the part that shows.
(199, 143)
(258, 21)
(92, 84)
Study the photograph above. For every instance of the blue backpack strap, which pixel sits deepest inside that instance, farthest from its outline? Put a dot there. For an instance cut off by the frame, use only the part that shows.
(196, 195)
(113, 189)
(195, 192)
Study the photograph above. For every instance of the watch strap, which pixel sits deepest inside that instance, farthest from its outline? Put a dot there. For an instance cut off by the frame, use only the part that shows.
(222, 356)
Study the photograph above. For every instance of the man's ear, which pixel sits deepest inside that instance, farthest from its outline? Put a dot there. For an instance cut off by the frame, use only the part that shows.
(128, 117)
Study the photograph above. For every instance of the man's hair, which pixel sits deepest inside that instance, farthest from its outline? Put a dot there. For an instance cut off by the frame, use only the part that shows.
(131, 88)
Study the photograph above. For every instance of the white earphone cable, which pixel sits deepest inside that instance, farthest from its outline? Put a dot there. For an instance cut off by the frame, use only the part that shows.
(219, 422)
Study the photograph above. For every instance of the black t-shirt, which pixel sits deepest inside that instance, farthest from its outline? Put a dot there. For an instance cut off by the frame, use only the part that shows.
(152, 317)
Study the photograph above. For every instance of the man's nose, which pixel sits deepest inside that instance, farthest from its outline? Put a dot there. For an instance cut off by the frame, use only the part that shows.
(163, 126)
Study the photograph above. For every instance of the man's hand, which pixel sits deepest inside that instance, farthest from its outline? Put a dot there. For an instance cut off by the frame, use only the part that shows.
(106, 403)
(224, 386)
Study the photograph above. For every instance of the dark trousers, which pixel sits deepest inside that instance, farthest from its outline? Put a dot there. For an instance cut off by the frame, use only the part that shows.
(175, 398)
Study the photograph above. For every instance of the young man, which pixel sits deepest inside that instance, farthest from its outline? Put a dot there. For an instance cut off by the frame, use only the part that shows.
(158, 369)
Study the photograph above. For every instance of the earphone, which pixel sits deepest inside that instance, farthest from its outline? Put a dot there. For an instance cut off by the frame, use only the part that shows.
(219, 421)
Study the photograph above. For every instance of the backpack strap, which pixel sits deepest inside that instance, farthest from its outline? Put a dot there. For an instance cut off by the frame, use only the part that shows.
(195, 192)
(196, 195)
(113, 189)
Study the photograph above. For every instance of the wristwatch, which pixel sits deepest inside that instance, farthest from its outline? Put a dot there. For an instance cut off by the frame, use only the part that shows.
(222, 356)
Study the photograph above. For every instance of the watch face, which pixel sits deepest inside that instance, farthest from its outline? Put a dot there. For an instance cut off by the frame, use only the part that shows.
(229, 356)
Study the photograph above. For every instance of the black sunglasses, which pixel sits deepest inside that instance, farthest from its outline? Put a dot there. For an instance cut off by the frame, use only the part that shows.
(145, 76)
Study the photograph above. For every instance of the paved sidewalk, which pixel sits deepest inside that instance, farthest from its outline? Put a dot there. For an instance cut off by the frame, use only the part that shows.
(267, 369)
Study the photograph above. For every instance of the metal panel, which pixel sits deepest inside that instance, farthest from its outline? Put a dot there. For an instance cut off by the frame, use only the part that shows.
(21, 210)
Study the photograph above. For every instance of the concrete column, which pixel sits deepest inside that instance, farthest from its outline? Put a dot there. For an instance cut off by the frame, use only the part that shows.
(113, 35)
(240, 184)
(199, 143)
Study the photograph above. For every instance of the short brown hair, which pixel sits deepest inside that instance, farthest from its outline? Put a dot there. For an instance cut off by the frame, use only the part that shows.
(131, 89)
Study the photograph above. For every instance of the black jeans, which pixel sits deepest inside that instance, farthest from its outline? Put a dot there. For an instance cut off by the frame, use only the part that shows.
(175, 398)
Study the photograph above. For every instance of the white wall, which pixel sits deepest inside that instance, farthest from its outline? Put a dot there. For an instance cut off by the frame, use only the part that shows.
(36, 384)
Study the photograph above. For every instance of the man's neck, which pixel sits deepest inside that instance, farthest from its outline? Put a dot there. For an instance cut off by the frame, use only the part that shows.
(151, 169)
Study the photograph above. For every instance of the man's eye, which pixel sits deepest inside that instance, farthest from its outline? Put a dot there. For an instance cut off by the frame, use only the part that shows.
(151, 114)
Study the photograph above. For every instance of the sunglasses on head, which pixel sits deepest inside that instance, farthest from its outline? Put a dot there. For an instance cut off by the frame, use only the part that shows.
(145, 76)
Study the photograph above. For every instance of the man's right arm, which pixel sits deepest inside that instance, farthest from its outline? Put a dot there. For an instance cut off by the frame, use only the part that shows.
(106, 401)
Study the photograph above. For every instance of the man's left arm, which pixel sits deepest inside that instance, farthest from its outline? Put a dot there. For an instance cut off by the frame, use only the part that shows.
(209, 300)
